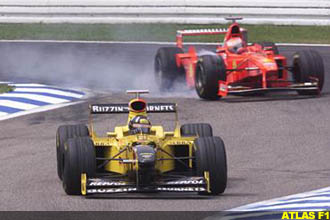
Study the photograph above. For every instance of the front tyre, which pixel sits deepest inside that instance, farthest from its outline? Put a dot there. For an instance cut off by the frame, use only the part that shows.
(79, 157)
(211, 156)
(210, 69)
(308, 66)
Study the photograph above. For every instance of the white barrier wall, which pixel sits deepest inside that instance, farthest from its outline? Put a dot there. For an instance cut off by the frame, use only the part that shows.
(297, 12)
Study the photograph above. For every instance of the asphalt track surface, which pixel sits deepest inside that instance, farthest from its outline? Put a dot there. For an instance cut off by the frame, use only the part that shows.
(276, 145)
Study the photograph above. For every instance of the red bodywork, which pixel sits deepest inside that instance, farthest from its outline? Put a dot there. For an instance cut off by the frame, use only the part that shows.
(253, 68)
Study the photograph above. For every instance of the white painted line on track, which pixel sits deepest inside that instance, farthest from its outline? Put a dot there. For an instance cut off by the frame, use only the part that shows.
(3, 114)
(303, 45)
(41, 98)
(17, 105)
(49, 91)
(28, 84)
(40, 109)
(316, 198)
(148, 42)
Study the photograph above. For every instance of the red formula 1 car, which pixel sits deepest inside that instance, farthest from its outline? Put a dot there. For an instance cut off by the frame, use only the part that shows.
(236, 67)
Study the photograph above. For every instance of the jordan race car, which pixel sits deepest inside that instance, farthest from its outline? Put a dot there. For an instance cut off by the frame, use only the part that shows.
(138, 156)
(236, 67)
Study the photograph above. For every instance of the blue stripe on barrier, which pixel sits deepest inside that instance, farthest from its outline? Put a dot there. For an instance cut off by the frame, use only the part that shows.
(25, 100)
(69, 98)
(9, 109)
(47, 87)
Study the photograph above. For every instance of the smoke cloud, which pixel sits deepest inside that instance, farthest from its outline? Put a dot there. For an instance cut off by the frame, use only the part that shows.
(94, 66)
(101, 67)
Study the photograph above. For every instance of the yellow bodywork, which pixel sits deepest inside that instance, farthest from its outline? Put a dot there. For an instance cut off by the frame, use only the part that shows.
(119, 145)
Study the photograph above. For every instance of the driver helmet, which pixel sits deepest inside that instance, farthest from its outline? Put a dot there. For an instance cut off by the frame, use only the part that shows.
(235, 45)
(139, 124)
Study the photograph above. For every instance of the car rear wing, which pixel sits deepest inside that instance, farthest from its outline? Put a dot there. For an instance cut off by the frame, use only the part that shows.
(123, 108)
(198, 32)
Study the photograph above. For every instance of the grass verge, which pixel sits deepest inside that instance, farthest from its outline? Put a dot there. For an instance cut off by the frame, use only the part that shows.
(157, 32)
(5, 88)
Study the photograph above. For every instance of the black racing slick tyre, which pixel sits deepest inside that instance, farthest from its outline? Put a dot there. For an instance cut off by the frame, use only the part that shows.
(210, 69)
(165, 67)
(270, 44)
(198, 129)
(211, 156)
(79, 157)
(64, 132)
(308, 65)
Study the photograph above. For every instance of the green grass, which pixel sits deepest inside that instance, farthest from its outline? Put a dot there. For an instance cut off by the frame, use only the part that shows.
(5, 88)
(157, 32)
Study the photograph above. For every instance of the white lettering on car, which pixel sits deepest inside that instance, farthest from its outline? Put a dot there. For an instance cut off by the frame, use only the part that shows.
(185, 182)
(181, 189)
(107, 184)
(117, 190)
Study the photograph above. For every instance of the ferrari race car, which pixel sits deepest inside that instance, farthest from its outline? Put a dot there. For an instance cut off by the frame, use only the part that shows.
(236, 67)
(138, 156)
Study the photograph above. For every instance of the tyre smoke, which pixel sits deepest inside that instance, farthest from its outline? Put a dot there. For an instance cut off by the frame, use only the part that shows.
(95, 66)
(101, 67)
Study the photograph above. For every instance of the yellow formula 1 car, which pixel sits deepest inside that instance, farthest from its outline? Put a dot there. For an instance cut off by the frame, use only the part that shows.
(140, 157)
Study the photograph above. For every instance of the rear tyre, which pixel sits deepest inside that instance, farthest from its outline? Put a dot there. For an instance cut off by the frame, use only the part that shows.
(79, 157)
(211, 156)
(186, 130)
(198, 129)
(210, 69)
(165, 68)
(308, 65)
(64, 132)
(270, 44)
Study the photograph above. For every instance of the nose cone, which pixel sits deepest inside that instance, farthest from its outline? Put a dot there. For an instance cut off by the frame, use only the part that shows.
(146, 158)
(146, 155)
